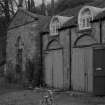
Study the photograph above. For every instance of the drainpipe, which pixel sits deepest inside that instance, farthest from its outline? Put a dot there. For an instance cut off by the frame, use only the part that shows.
(41, 59)
(70, 56)
(100, 22)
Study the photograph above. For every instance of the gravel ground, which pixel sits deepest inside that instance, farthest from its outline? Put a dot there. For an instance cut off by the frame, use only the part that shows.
(33, 97)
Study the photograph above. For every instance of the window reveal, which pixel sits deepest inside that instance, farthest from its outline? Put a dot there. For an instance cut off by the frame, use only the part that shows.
(84, 19)
(19, 51)
(54, 26)
(85, 22)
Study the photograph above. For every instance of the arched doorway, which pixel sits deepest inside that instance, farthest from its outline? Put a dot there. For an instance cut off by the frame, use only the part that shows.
(82, 64)
(53, 63)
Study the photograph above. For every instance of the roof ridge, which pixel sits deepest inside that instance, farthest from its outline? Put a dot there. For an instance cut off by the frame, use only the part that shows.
(34, 15)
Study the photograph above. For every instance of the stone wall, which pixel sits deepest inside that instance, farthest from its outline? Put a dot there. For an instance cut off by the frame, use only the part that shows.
(31, 46)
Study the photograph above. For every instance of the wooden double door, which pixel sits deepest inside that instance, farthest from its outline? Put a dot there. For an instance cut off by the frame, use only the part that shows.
(53, 72)
(99, 71)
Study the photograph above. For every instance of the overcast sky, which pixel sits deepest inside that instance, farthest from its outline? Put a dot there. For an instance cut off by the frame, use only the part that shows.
(37, 2)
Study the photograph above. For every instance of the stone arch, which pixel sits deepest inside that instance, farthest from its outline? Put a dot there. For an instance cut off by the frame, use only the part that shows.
(53, 44)
(85, 40)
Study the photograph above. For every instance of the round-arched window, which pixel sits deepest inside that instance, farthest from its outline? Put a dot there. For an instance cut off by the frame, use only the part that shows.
(84, 19)
(54, 26)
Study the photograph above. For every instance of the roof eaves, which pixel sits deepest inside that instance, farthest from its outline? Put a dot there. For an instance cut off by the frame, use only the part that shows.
(99, 17)
(33, 15)
(66, 27)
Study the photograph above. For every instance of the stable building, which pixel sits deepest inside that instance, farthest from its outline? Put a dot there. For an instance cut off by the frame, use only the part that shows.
(73, 58)
(85, 40)
(56, 54)
(23, 43)
(69, 50)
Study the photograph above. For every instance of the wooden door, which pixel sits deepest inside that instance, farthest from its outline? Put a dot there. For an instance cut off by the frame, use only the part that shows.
(78, 71)
(54, 69)
(58, 69)
(82, 66)
(48, 69)
(99, 71)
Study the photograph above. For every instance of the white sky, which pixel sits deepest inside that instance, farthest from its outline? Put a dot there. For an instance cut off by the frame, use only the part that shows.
(40, 1)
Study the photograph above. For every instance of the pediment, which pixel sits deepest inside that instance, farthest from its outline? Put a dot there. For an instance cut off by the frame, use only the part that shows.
(20, 19)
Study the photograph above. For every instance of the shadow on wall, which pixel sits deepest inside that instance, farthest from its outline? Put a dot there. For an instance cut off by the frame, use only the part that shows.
(33, 72)
(31, 76)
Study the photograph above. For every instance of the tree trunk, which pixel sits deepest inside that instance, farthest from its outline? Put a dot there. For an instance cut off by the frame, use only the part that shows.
(6, 10)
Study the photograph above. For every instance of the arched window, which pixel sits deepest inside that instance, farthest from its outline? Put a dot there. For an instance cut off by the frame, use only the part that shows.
(54, 26)
(19, 52)
(84, 19)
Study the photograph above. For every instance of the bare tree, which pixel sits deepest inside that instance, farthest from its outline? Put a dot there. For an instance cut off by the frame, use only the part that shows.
(20, 4)
(6, 10)
(31, 5)
(9, 7)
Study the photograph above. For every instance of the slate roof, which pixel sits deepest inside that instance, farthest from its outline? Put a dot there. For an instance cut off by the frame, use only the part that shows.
(44, 21)
(100, 16)
(74, 12)
(46, 25)
(100, 4)
(72, 22)
(71, 12)
(28, 18)
(62, 19)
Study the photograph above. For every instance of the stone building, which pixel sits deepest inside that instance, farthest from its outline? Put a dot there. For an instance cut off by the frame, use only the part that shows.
(3, 26)
(68, 48)
(53, 43)
(23, 42)
(74, 57)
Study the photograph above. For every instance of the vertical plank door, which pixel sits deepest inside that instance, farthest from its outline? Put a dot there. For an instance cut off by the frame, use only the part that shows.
(48, 69)
(58, 69)
(99, 71)
(54, 68)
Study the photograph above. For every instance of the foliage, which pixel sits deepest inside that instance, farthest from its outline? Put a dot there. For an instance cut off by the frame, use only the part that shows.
(61, 5)
(8, 8)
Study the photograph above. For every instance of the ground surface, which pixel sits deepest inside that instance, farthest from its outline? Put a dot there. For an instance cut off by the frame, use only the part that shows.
(33, 97)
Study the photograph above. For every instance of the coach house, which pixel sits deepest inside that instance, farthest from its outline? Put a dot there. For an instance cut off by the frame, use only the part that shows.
(74, 56)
